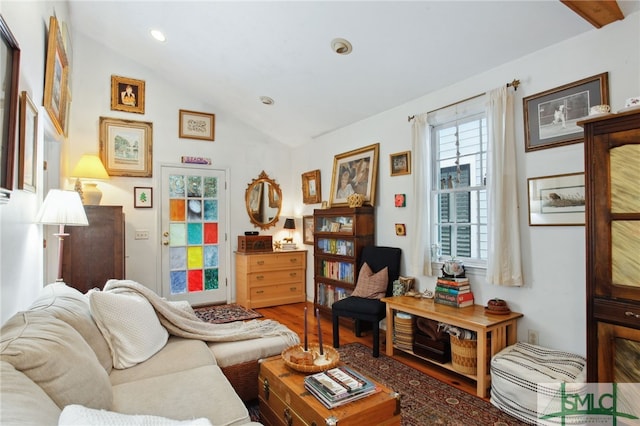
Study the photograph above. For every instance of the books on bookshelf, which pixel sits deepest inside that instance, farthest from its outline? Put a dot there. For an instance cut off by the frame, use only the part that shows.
(338, 386)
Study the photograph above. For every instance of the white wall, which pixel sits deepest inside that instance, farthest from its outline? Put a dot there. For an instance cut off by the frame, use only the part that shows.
(553, 299)
(21, 253)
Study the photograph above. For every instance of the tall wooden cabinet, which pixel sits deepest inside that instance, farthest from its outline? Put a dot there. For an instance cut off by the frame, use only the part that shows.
(94, 254)
(612, 184)
(339, 235)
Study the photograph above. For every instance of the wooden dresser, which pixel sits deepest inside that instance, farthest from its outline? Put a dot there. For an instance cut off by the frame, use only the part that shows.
(270, 278)
(94, 254)
(612, 174)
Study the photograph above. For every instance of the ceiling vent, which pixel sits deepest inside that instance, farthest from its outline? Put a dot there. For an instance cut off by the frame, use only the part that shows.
(341, 46)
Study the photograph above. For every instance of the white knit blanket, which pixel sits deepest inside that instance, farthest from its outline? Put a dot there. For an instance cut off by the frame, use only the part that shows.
(186, 324)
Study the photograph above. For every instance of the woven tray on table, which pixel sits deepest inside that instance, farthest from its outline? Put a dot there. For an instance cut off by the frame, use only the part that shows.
(329, 351)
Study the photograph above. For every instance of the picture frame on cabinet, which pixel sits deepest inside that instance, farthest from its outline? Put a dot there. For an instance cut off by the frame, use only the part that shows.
(126, 147)
(400, 163)
(307, 230)
(56, 77)
(557, 200)
(196, 125)
(10, 52)
(127, 94)
(550, 117)
(355, 172)
(311, 188)
(142, 197)
(28, 166)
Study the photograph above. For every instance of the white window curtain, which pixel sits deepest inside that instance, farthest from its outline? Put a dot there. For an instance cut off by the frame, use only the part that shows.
(421, 243)
(504, 263)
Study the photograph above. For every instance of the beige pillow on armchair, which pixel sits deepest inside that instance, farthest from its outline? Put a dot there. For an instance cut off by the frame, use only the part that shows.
(370, 285)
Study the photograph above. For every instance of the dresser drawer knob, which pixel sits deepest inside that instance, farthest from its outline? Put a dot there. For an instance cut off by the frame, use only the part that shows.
(632, 314)
(259, 291)
(259, 277)
(293, 260)
(293, 274)
(265, 387)
(288, 419)
(260, 262)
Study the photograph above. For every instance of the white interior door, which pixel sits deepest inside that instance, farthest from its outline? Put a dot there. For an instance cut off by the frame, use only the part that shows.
(195, 250)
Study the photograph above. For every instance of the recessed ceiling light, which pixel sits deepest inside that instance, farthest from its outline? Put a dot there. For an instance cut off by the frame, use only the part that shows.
(267, 100)
(157, 34)
(341, 46)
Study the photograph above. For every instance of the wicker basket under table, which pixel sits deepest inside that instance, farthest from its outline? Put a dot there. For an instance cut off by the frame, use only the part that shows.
(244, 379)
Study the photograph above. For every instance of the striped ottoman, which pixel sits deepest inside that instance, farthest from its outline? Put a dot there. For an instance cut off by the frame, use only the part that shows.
(517, 369)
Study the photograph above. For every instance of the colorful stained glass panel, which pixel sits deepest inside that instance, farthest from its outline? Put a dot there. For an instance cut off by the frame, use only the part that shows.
(195, 233)
(177, 210)
(194, 257)
(210, 233)
(210, 256)
(195, 280)
(211, 279)
(177, 234)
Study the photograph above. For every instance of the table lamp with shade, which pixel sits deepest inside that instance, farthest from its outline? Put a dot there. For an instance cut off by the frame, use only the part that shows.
(89, 167)
(62, 208)
(288, 243)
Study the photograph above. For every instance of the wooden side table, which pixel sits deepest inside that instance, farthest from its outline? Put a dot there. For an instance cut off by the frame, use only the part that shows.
(285, 401)
(502, 329)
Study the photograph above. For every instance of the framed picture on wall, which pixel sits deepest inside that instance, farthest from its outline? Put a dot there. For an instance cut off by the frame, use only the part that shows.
(126, 147)
(27, 173)
(142, 197)
(311, 192)
(550, 117)
(307, 229)
(10, 52)
(400, 163)
(197, 125)
(355, 172)
(56, 75)
(127, 94)
(557, 200)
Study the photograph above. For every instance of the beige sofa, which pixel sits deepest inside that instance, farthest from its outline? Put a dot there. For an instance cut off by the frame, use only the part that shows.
(57, 366)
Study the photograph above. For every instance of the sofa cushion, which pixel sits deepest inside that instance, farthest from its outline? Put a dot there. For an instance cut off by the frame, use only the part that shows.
(77, 415)
(177, 355)
(198, 392)
(370, 285)
(232, 353)
(20, 396)
(69, 305)
(129, 324)
(54, 355)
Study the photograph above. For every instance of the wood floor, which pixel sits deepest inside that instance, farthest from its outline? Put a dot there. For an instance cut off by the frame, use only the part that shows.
(293, 317)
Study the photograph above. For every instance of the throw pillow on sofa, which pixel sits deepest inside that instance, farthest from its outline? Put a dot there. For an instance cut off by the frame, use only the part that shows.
(72, 376)
(129, 324)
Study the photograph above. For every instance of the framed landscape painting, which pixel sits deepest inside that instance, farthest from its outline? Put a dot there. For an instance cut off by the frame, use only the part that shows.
(355, 172)
(126, 147)
(56, 74)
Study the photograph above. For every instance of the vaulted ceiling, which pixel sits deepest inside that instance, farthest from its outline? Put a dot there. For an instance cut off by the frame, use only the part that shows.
(230, 53)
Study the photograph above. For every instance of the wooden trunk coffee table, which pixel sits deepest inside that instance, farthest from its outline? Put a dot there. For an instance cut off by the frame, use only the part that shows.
(285, 401)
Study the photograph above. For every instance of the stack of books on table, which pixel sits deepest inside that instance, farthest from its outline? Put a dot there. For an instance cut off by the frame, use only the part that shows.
(338, 386)
(453, 292)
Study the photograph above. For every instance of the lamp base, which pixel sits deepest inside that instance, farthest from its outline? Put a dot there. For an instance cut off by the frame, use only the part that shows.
(91, 195)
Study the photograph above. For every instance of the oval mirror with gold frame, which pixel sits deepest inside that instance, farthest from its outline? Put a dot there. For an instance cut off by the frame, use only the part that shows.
(264, 201)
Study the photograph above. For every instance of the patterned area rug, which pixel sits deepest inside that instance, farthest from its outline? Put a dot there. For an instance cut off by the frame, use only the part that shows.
(220, 314)
(424, 400)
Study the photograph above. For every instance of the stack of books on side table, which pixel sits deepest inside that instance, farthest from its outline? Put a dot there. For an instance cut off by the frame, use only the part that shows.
(453, 292)
(338, 386)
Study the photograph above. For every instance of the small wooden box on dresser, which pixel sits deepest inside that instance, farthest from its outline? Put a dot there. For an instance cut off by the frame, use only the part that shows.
(270, 278)
(612, 189)
(94, 254)
(339, 235)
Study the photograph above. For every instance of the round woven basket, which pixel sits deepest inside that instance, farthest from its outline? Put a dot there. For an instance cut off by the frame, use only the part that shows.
(329, 351)
(464, 355)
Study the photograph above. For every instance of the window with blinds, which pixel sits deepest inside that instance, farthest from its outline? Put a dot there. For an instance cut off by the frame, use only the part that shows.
(459, 194)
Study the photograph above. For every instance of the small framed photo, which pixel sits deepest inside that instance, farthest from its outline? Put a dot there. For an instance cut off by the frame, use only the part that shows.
(400, 200)
(400, 163)
(550, 118)
(557, 200)
(401, 230)
(355, 172)
(311, 192)
(127, 94)
(307, 229)
(197, 125)
(28, 166)
(142, 197)
(126, 147)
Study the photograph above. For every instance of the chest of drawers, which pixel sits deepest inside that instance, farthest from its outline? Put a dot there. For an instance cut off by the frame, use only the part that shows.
(269, 279)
